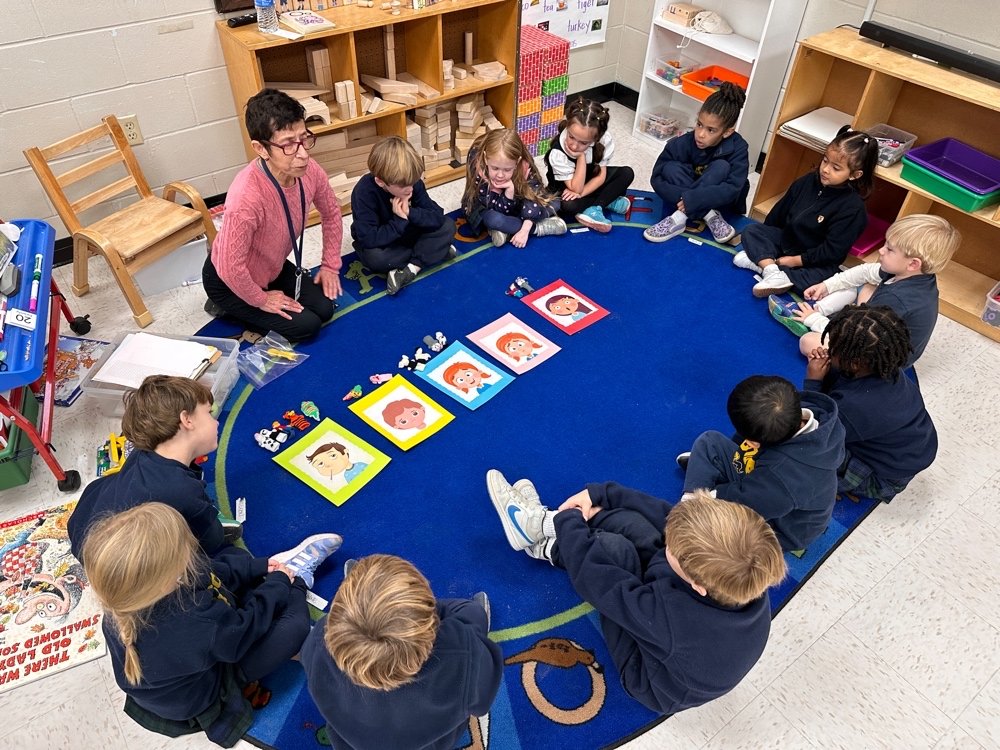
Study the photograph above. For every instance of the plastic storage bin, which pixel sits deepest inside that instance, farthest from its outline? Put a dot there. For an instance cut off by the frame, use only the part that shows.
(15, 458)
(219, 378)
(663, 125)
(671, 69)
(892, 143)
(693, 83)
(991, 313)
(172, 270)
(945, 189)
(962, 164)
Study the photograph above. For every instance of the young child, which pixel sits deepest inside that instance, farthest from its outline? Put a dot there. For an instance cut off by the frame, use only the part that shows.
(890, 437)
(189, 635)
(785, 465)
(808, 233)
(393, 667)
(684, 610)
(398, 229)
(578, 166)
(405, 414)
(504, 194)
(332, 460)
(916, 248)
(169, 421)
(466, 377)
(704, 172)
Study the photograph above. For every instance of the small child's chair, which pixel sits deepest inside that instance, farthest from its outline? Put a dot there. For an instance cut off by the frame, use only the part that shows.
(131, 238)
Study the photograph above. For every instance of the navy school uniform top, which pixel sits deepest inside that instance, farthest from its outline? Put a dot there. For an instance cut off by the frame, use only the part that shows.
(673, 648)
(915, 300)
(376, 226)
(730, 194)
(460, 679)
(147, 476)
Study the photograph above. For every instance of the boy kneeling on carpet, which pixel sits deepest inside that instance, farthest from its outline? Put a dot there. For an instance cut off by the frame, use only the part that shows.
(190, 635)
(782, 462)
(685, 610)
(398, 229)
(169, 422)
(393, 667)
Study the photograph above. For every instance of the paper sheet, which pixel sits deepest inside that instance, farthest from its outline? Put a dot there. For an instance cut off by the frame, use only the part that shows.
(143, 354)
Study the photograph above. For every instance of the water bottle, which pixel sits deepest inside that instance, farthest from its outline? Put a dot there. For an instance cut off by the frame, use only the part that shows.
(267, 16)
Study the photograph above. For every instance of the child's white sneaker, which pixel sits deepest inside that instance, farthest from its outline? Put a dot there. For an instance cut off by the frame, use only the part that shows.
(521, 516)
(304, 559)
(722, 230)
(550, 226)
(668, 228)
(499, 238)
(742, 260)
(773, 281)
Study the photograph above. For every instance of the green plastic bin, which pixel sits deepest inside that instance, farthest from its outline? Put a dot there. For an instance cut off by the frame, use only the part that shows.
(15, 459)
(947, 190)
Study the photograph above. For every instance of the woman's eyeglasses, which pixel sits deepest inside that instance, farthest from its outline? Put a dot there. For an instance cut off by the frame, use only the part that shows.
(292, 147)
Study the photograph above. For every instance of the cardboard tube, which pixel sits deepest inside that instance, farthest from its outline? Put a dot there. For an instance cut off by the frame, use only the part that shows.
(468, 48)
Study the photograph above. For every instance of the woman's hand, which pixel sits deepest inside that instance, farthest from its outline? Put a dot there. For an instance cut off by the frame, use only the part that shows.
(330, 281)
(279, 303)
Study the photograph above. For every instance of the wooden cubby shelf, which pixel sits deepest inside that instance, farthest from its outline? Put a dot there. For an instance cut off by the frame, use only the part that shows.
(840, 69)
(422, 39)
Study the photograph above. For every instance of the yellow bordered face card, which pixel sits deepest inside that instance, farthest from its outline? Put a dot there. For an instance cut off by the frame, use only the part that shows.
(401, 412)
(333, 461)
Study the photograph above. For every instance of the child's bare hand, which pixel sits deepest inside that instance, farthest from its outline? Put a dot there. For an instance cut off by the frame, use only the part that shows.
(817, 367)
(521, 238)
(680, 206)
(275, 566)
(401, 207)
(804, 311)
(819, 352)
(790, 261)
(569, 195)
(816, 291)
(582, 502)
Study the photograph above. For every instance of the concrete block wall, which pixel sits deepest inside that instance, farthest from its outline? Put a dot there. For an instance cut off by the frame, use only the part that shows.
(66, 65)
(597, 64)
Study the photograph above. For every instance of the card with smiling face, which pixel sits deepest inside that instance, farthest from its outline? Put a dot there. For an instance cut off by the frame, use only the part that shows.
(513, 343)
(465, 376)
(564, 306)
(401, 412)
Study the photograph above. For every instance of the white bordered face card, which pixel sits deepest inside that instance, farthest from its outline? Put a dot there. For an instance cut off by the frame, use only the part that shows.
(401, 412)
(514, 344)
(465, 376)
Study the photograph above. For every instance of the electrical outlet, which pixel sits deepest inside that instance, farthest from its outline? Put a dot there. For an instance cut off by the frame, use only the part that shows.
(130, 124)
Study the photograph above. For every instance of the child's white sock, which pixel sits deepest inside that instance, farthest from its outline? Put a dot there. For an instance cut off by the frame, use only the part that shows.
(835, 301)
(549, 524)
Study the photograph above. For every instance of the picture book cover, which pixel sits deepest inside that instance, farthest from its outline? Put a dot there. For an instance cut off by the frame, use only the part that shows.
(514, 344)
(74, 359)
(333, 461)
(564, 306)
(465, 376)
(400, 412)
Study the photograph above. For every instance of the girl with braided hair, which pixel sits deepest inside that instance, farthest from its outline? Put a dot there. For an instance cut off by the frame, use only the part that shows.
(578, 166)
(890, 437)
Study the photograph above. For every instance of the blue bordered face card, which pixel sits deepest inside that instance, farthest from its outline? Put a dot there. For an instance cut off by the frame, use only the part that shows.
(401, 412)
(334, 462)
(465, 376)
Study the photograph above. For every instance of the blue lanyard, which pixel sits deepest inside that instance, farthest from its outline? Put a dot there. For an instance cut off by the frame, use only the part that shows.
(299, 244)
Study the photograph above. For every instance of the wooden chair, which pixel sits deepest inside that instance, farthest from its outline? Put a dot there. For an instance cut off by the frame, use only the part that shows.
(131, 238)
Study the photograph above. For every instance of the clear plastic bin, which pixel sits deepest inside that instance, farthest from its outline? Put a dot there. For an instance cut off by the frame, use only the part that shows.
(220, 377)
(892, 143)
(991, 312)
(671, 69)
(663, 125)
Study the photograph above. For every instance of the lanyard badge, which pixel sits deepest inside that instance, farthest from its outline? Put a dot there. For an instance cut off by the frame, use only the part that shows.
(297, 243)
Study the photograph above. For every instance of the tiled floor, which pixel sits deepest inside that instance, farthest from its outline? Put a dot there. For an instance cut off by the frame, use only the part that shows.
(895, 643)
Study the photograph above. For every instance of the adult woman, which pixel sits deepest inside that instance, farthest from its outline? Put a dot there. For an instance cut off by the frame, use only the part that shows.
(248, 274)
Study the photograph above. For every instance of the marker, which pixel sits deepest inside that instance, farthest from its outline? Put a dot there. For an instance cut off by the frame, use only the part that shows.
(36, 278)
(3, 314)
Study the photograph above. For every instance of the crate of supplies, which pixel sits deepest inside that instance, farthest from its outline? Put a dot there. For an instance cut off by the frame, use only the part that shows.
(172, 270)
(945, 189)
(892, 143)
(967, 167)
(670, 69)
(702, 83)
(220, 377)
(663, 125)
(16, 456)
(991, 313)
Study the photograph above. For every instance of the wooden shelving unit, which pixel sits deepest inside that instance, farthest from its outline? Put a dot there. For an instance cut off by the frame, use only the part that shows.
(842, 70)
(423, 38)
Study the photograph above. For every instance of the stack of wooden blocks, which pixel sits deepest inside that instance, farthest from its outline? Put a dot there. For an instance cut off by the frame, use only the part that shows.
(433, 139)
(343, 154)
(448, 74)
(473, 118)
(543, 78)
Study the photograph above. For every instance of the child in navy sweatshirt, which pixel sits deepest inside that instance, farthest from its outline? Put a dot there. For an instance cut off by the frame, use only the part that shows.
(783, 463)
(684, 611)
(393, 667)
(808, 233)
(889, 434)
(169, 422)
(398, 229)
(188, 634)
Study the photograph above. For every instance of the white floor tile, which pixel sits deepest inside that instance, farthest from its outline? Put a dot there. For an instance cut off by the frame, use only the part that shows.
(957, 738)
(984, 503)
(757, 727)
(981, 720)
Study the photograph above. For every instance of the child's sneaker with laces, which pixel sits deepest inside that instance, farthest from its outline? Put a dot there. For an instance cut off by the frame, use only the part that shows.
(782, 310)
(521, 517)
(668, 228)
(722, 230)
(594, 218)
(553, 225)
(742, 260)
(619, 205)
(499, 238)
(397, 278)
(773, 281)
(304, 559)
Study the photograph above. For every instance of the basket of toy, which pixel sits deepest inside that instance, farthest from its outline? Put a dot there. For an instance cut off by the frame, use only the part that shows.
(663, 125)
(704, 82)
(671, 69)
(892, 143)
(991, 312)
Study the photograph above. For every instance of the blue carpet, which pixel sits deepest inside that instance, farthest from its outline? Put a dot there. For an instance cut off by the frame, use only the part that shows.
(620, 400)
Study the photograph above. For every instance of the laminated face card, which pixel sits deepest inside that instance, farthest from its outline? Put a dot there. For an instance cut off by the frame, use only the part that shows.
(465, 376)
(401, 412)
(333, 461)
(514, 344)
(564, 306)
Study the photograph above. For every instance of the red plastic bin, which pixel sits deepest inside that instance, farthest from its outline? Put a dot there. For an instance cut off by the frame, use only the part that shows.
(690, 81)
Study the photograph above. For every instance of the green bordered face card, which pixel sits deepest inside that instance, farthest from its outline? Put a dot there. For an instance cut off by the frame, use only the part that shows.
(334, 462)
(402, 413)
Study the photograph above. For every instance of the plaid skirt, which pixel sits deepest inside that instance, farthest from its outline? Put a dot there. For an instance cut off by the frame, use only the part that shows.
(859, 478)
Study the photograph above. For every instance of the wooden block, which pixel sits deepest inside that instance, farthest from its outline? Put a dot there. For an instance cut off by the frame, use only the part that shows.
(446, 66)
(407, 99)
(459, 72)
(366, 103)
(390, 64)
(349, 86)
(424, 89)
(493, 67)
(426, 111)
(353, 108)
(297, 89)
(468, 48)
(375, 105)
(469, 103)
(389, 86)
(390, 37)
(330, 142)
(340, 91)
(365, 130)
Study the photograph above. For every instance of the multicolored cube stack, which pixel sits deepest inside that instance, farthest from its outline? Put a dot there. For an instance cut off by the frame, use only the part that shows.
(543, 75)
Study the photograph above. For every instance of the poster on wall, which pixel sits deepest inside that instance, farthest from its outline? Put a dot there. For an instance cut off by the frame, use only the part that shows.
(582, 22)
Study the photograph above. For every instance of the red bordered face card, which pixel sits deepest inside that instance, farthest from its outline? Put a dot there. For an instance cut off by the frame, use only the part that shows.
(564, 306)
